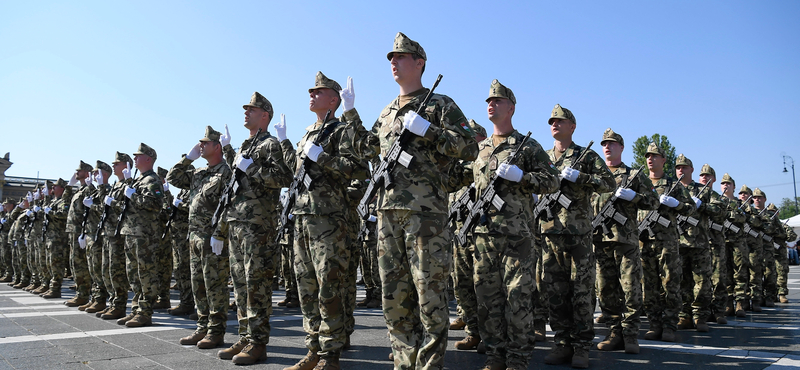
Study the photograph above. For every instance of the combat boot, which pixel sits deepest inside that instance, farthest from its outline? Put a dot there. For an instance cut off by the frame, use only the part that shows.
(601, 319)
(20, 284)
(328, 363)
(31, 286)
(139, 320)
(685, 323)
(161, 304)
(729, 311)
(756, 306)
(631, 344)
(540, 331)
(55, 292)
(740, 309)
(293, 303)
(88, 304)
(6, 278)
(97, 306)
(363, 302)
(211, 341)
(701, 325)
(181, 310)
(481, 348)
(783, 298)
(458, 324)
(114, 313)
(722, 320)
(654, 333)
(769, 302)
(228, 353)
(469, 343)
(613, 342)
(41, 289)
(494, 363)
(251, 354)
(192, 340)
(103, 312)
(193, 316)
(75, 302)
(375, 301)
(580, 360)
(306, 363)
(125, 319)
(559, 355)
(668, 335)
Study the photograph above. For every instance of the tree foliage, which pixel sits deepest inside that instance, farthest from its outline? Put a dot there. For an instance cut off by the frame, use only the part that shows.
(787, 207)
(640, 148)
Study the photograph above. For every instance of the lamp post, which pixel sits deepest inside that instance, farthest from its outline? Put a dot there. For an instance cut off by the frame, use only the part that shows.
(794, 182)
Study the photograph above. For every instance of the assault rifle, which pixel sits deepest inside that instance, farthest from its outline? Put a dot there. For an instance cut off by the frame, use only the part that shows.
(609, 212)
(104, 216)
(549, 202)
(460, 208)
(654, 217)
(683, 220)
(489, 197)
(124, 208)
(45, 224)
(233, 185)
(170, 221)
(382, 176)
(764, 236)
(302, 180)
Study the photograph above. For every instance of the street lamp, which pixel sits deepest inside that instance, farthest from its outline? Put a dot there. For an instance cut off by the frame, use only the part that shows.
(794, 182)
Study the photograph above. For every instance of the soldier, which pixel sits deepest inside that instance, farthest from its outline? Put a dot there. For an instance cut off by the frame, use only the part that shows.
(78, 212)
(94, 247)
(771, 237)
(178, 235)
(249, 224)
(782, 263)
(716, 239)
(209, 268)
(163, 254)
(737, 250)
(369, 260)
(142, 228)
(619, 261)
(57, 243)
(6, 256)
(567, 237)
(661, 262)
(36, 255)
(292, 299)
(753, 226)
(22, 274)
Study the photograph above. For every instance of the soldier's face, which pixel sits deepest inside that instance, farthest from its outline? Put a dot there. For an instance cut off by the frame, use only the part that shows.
(655, 162)
(743, 196)
(208, 148)
(320, 100)
(81, 175)
(140, 160)
(562, 128)
(612, 149)
(8, 207)
(726, 188)
(254, 117)
(706, 179)
(405, 68)
(118, 167)
(58, 190)
(684, 171)
(759, 201)
(499, 109)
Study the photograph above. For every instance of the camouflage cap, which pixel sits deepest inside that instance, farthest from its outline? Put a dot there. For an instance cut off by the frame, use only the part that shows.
(103, 166)
(498, 90)
(84, 167)
(476, 128)
(323, 82)
(49, 184)
(259, 101)
(122, 157)
(727, 178)
(146, 150)
(560, 112)
(653, 148)
(610, 135)
(403, 44)
(745, 190)
(10, 201)
(759, 193)
(707, 170)
(162, 172)
(772, 207)
(61, 182)
(683, 161)
(211, 135)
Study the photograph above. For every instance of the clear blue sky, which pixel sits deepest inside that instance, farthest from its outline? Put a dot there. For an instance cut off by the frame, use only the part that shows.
(81, 80)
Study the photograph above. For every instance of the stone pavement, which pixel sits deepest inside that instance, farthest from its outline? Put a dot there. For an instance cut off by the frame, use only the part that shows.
(44, 334)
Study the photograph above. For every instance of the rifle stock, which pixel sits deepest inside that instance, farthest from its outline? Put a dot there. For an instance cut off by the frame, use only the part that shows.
(548, 202)
(654, 216)
(608, 212)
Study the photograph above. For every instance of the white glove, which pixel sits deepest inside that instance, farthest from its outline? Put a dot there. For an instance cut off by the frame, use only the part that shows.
(176, 202)
(372, 218)
(535, 199)
(82, 241)
(88, 180)
(73, 180)
(166, 186)
(216, 245)
(29, 213)
(108, 200)
(88, 202)
(416, 124)
(129, 191)
(46, 210)
(29, 197)
(625, 194)
(570, 174)
(669, 201)
(697, 202)
(242, 163)
(127, 171)
(45, 191)
(2, 221)
(194, 153)
(312, 150)
(509, 172)
(280, 128)
(348, 95)
(37, 208)
(99, 177)
(225, 139)
(291, 216)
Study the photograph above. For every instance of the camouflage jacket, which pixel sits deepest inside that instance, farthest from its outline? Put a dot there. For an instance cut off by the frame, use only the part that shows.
(424, 186)
(735, 218)
(776, 230)
(594, 177)
(685, 207)
(18, 227)
(112, 218)
(96, 210)
(716, 222)
(77, 209)
(180, 224)
(166, 207)
(754, 223)
(645, 199)
(57, 217)
(697, 236)
(11, 218)
(538, 177)
(790, 234)
(141, 218)
(205, 188)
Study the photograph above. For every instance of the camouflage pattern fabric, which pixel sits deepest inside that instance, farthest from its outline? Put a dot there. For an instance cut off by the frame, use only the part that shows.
(778, 235)
(287, 263)
(142, 274)
(782, 261)
(209, 278)
(696, 256)
(94, 261)
(369, 257)
(736, 253)
(719, 272)
(163, 257)
(179, 237)
(755, 247)
(21, 271)
(114, 256)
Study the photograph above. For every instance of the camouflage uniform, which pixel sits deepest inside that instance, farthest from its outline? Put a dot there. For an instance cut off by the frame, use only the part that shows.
(179, 237)
(75, 217)
(772, 239)
(354, 194)
(369, 259)
(21, 271)
(463, 271)
(716, 239)
(6, 255)
(57, 243)
(287, 261)
(782, 261)
(163, 252)
(36, 248)
(115, 273)
(94, 248)
(753, 225)
(735, 248)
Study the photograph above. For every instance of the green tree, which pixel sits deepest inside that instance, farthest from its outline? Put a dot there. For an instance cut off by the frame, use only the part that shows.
(640, 148)
(787, 208)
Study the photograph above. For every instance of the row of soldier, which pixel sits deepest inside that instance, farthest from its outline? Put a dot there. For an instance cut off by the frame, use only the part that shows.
(530, 235)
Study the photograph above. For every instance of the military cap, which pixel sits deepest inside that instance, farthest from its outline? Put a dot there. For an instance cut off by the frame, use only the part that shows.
(476, 128)
(61, 182)
(745, 190)
(727, 178)
(403, 44)
(759, 193)
(84, 167)
(610, 135)
(211, 135)
(653, 148)
(9, 201)
(161, 172)
(772, 207)
(560, 112)
(707, 170)
(103, 166)
(122, 157)
(683, 161)
(323, 82)
(146, 150)
(498, 90)
(259, 101)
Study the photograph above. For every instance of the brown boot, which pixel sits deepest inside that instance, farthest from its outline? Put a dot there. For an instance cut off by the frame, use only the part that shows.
(458, 324)
(161, 304)
(41, 289)
(782, 298)
(125, 319)
(97, 306)
(103, 312)
(376, 301)
(559, 355)
(613, 342)
(21, 284)
(701, 325)
(181, 310)
(740, 309)
(293, 303)
(540, 330)
(469, 343)
(228, 353)
(306, 363)
(580, 360)
(251, 354)
(211, 341)
(114, 313)
(139, 320)
(668, 335)
(756, 306)
(53, 293)
(83, 307)
(631, 344)
(363, 302)
(685, 323)
(75, 302)
(192, 340)
(328, 363)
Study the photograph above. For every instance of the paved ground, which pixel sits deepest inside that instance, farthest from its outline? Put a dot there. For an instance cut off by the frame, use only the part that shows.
(44, 334)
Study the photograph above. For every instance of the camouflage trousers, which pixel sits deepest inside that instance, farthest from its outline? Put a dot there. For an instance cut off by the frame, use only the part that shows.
(209, 279)
(41, 260)
(464, 285)
(369, 264)
(322, 263)
(163, 259)
(80, 268)
(180, 264)
(253, 259)
(540, 306)
(569, 274)
(349, 287)
(94, 260)
(719, 273)
(143, 274)
(22, 272)
(782, 268)
(5, 255)
(115, 276)
(738, 268)
(56, 251)
(33, 257)
(414, 257)
(756, 268)
(619, 286)
(770, 271)
(662, 271)
(504, 284)
(287, 269)
(696, 282)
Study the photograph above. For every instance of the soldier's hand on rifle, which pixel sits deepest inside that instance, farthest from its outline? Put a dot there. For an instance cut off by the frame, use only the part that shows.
(280, 128)
(216, 245)
(372, 218)
(88, 202)
(697, 202)
(129, 191)
(225, 139)
(348, 95)
(509, 172)
(416, 124)
(195, 152)
(108, 200)
(126, 173)
(37, 208)
(82, 241)
(176, 202)
(242, 163)
(47, 210)
(668, 201)
(625, 194)
(312, 151)
(73, 180)
(570, 174)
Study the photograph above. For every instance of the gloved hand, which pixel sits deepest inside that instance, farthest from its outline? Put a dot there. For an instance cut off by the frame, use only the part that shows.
(166, 186)
(29, 213)
(625, 194)
(312, 150)
(108, 200)
(73, 180)
(47, 210)
(88, 202)
(372, 218)
(216, 245)
(129, 191)
(535, 199)
(194, 153)
(82, 241)
(89, 180)
(29, 197)
(36, 195)
(99, 178)
(176, 202)
(668, 201)
(348, 95)
(127, 171)
(242, 163)
(280, 128)
(45, 191)
(226, 138)
(416, 124)
(697, 202)
(2, 221)
(509, 172)
(37, 208)
(570, 174)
